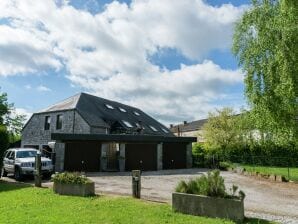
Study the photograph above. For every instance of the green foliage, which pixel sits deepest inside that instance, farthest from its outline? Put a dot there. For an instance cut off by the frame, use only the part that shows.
(211, 185)
(265, 43)
(225, 165)
(13, 122)
(4, 141)
(70, 178)
(198, 149)
(221, 131)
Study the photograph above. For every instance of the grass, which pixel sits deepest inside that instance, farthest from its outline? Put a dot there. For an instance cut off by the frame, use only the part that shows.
(283, 171)
(25, 204)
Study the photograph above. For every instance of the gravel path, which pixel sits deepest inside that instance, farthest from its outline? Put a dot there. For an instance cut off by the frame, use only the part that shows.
(264, 199)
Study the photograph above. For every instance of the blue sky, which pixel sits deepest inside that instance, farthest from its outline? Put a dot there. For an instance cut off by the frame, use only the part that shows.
(175, 69)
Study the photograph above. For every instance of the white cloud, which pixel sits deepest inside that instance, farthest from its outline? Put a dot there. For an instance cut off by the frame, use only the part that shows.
(22, 111)
(42, 88)
(108, 53)
(28, 86)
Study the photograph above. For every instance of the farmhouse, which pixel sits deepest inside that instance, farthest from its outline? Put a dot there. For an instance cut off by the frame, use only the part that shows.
(89, 133)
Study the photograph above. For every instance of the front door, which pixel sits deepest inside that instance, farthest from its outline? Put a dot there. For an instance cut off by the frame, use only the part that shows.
(112, 156)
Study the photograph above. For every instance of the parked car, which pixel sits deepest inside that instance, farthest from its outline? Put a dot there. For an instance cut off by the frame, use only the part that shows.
(21, 162)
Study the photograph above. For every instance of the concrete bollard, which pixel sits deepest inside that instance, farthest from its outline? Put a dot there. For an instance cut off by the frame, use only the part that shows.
(37, 171)
(136, 183)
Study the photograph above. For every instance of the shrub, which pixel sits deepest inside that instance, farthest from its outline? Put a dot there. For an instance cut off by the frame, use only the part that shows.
(211, 185)
(4, 141)
(70, 178)
(225, 165)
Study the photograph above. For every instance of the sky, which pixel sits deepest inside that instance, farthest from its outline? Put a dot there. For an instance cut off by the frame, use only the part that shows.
(170, 58)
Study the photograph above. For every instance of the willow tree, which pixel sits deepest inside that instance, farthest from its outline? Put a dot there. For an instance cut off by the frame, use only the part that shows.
(265, 43)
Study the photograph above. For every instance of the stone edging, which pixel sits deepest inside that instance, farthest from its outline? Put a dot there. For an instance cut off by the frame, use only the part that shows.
(271, 177)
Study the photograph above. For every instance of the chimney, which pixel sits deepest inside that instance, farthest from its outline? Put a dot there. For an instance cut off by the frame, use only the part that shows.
(184, 122)
(171, 125)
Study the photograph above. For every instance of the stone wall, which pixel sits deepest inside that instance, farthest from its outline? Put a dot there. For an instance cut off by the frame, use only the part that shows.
(34, 133)
(60, 152)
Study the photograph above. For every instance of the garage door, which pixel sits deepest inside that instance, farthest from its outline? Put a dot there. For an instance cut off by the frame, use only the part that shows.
(174, 155)
(140, 157)
(82, 156)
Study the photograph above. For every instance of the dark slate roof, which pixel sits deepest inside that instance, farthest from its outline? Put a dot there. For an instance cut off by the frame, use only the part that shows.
(190, 126)
(96, 113)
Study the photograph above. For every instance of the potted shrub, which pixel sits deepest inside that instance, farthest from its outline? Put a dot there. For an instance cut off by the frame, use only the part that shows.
(73, 184)
(207, 196)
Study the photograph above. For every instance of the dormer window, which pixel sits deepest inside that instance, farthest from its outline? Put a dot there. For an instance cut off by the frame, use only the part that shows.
(122, 109)
(127, 124)
(153, 128)
(109, 106)
(164, 130)
(136, 113)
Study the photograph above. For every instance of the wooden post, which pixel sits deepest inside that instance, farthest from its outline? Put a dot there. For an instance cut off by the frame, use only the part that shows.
(136, 183)
(37, 171)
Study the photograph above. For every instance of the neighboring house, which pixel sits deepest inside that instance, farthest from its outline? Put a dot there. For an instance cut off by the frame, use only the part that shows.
(90, 133)
(189, 129)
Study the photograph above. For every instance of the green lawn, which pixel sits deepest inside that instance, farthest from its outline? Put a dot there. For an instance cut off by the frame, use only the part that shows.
(24, 204)
(273, 170)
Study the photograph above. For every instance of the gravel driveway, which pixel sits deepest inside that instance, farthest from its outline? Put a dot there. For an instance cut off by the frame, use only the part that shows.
(264, 199)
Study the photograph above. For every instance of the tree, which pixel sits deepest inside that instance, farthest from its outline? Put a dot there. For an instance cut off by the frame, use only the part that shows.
(5, 108)
(4, 141)
(221, 131)
(265, 43)
(9, 121)
(13, 122)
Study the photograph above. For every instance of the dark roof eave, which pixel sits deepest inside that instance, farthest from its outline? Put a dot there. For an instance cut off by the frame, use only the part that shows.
(119, 138)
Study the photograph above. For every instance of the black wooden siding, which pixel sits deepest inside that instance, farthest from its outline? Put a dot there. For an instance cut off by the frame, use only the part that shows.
(174, 155)
(141, 157)
(82, 156)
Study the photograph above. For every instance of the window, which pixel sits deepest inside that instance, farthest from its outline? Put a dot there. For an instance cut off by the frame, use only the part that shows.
(11, 155)
(127, 124)
(109, 106)
(136, 113)
(153, 128)
(47, 123)
(59, 121)
(122, 109)
(164, 130)
(7, 154)
(26, 154)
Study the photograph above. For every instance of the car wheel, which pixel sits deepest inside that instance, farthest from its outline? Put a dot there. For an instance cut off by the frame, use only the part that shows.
(3, 173)
(17, 174)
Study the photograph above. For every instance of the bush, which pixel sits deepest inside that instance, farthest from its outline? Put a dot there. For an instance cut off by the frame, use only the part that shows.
(70, 178)
(4, 141)
(225, 165)
(211, 185)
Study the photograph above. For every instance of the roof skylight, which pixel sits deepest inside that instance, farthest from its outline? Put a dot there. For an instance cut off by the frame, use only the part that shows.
(109, 106)
(127, 124)
(164, 130)
(136, 113)
(153, 128)
(122, 109)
